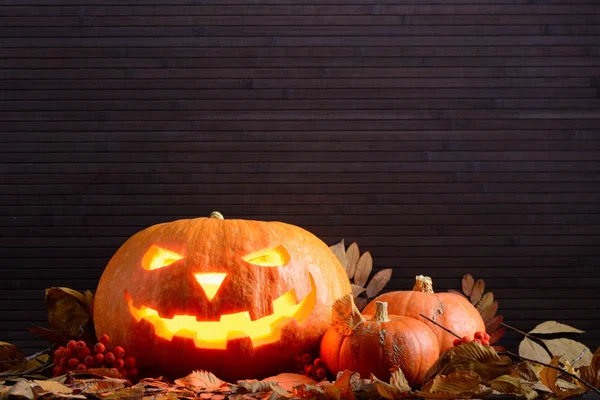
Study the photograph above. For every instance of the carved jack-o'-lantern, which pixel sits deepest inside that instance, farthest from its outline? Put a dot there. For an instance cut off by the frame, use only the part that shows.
(237, 297)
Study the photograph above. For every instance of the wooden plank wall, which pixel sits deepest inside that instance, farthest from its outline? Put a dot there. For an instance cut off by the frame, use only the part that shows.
(445, 136)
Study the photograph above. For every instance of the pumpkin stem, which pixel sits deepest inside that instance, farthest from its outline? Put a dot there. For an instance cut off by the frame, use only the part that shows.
(216, 215)
(381, 312)
(423, 284)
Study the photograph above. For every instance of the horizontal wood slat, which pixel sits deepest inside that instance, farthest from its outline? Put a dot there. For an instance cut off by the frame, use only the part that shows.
(444, 136)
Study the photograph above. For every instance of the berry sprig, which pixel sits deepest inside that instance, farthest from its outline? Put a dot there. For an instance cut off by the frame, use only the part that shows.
(77, 356)
(479, 337)
(314, 369)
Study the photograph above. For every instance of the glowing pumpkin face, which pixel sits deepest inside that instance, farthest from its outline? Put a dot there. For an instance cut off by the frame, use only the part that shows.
(239, 298)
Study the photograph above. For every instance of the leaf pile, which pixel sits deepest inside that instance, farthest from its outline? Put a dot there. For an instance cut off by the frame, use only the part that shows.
(359, 268)
(485, 304)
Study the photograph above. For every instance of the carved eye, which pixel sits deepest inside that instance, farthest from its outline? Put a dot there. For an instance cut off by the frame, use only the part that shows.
(157, 257)
(273, 257)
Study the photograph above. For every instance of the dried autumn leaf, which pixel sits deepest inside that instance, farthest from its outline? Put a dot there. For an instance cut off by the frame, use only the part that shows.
(497, 335)
(255, 386)
(483, 360)
(53, 387)
(485, 302)
(10, 357)
(287, 381)
(363, 269)
(352, 256)
(570, 350)
(477, 292)
(549, 376)
(388, 391)
(550, 327)
(131, 393)
(21, 390)
(489, 312)
(357, 290)
(97, 386)
(510, 385)
(399, 381)
(37, 362)
(467, 284)
(339, 249)
(68, 310)
(344, 384)
(345, 317)
(525, 371)
(332, 393)
(200, 380)
(456, 382)
(591, 373)
(532, 350)
(378, 282)
(494, 323)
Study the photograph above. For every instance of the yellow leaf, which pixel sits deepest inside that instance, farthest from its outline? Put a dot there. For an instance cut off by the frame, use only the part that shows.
(53, 386)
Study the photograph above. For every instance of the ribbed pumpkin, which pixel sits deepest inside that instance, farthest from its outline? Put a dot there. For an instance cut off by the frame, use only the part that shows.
(240, 298)
(379, 344)
(448, 309)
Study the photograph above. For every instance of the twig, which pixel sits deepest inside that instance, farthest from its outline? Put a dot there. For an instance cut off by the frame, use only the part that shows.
(595, 389)
(440, 325)
(537, 339)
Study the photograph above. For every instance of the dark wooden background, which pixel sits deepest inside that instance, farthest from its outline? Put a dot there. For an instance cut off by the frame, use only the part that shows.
(445, 136)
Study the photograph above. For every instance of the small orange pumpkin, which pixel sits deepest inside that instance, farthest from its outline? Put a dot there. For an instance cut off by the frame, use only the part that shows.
(379, 344)
(448, 309)
(240, 298)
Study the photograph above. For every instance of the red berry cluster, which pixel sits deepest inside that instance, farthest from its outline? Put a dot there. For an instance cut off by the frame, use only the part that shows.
(77, 356)
(479, 337)
(312, 368)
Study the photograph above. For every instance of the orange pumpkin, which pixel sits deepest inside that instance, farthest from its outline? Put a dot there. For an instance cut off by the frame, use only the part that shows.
(240, 298)
(379, 345)
(448, 309)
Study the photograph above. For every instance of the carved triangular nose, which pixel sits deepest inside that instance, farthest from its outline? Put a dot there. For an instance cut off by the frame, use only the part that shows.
(210, 282)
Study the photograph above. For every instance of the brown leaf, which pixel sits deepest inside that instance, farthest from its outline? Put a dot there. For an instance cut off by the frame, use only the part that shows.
(378, 282)
(339, 249)
(200, 380)
(344, 384)
(388, 391)
(493, 324)
(549, 376)
(477, 292)
(510, 385)
(550, 327)
(363, 269)
(570, 350)
(352, 256)
(591, 373)
(361, 302)
(345, 317)
(477, 358)
(287, 381)
(97, 386)
(467, 284)
(11, 358)
(497, 335)
(530, 349)
(488, 313)
(357, 290)
(104, 372)
(131, 393)
(525, 370)
(456, 382)
(68, 310)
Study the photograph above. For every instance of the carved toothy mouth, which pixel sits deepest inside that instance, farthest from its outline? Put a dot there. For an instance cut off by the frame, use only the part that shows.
(216, 334)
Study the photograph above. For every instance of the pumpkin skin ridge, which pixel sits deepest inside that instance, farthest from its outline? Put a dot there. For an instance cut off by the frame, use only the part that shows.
(188, 237)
